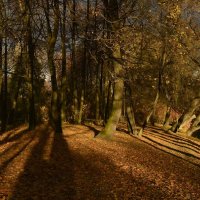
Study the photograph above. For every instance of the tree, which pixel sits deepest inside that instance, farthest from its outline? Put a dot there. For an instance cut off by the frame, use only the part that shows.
(52, 32)
(26, 12)
(112, 12)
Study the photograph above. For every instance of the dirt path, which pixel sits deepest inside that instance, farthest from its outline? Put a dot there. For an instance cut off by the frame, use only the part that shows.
(42, 166)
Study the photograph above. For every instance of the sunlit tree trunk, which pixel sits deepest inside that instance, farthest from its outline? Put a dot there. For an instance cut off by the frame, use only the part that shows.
(186, 116)
(195, 126)
(112, 9)
(113, 120)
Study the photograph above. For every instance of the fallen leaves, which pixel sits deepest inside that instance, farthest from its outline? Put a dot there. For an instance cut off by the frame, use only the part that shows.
(77, 166)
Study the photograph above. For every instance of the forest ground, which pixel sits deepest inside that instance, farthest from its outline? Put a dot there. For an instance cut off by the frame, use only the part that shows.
(41, 165)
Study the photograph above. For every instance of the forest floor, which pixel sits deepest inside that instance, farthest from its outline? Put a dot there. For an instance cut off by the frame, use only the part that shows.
(41, 165)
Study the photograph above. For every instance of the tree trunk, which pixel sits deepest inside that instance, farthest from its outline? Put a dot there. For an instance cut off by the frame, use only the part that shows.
(97, 98)
(31, 59)
(4, 114)
(102, 91)
(1, 48)
(107, 100)
(195, 126)
(161, 66)
(187, 115)
(117, 98)
(64, 70)
(129, 111)
(15, 93)
(80, 114)
(114, 24)
(52, 37)
(55, 100)
(26, 11)
(167, 117)
(1, 72)
(75, 109)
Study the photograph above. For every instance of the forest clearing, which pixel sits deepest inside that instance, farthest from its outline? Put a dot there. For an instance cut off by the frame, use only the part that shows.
(42, 165)
(99, 99)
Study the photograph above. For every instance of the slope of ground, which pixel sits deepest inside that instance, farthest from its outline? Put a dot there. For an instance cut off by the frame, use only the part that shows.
(40, 165)
(175, 144)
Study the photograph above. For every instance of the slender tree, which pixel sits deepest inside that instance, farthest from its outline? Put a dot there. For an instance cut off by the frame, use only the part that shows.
(52, 32)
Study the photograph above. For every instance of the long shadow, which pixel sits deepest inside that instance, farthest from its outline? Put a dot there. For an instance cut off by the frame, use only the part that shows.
(96, 131)
(13, 137)
(15, 149)
(72, 175)
(123, 130)
(46, 179)
(97, 178)
(16, 153)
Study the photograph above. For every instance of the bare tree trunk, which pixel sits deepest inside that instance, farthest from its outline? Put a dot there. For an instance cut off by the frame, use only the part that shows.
(167, 117)
(12, 111)
(102, 90)
(108, 102)
(151, 115)
(195, 126)
(113, 120)
(187, 115)
(97, 98)
(1, 46)
(64, 64)
(80, 113)
(31, 59)
(75, 110)
(114, 24)
(51, 42)
(4, 92)
(26, 11)
(1, 72)
(129, 110)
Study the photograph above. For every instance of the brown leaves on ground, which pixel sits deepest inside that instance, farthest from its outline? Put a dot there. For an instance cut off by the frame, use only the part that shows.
(41, 165)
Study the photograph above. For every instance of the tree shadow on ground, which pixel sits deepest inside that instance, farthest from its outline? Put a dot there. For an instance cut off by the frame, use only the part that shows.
(93, 129)
(20, 141)
(74, 175)
(47, 177)
(18, 149)
(196, 134)
(13, 136)
(96, 131)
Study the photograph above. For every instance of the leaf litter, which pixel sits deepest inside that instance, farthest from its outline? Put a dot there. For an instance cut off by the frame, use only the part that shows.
(41, 165)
